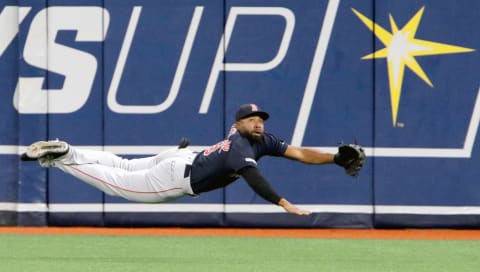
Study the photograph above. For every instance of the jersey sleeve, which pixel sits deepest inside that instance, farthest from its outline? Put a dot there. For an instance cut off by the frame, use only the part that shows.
(243, 154)
(274, 146)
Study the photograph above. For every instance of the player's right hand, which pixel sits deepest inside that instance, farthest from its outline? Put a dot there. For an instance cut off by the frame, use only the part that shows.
(291, 208)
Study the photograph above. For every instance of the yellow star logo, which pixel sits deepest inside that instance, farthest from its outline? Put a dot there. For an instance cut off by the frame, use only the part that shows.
(401, 48)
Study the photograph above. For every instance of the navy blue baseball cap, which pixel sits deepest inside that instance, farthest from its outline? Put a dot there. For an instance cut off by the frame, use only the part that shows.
(247, 110)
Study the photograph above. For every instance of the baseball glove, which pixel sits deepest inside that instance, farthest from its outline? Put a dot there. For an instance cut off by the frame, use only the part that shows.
(351, 157)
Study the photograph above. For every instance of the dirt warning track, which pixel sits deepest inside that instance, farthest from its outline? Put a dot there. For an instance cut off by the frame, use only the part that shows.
(414, 234)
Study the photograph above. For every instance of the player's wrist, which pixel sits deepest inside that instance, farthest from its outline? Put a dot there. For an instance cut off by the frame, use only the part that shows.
(282, 202)
(338, 160)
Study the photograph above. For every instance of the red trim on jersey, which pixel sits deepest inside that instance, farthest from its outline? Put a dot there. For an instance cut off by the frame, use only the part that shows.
(120, 188)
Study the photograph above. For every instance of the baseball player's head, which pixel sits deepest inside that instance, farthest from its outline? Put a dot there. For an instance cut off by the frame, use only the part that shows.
(249, 121)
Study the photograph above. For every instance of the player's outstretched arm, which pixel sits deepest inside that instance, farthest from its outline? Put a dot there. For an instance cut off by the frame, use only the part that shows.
(308, 155)
(349, 156)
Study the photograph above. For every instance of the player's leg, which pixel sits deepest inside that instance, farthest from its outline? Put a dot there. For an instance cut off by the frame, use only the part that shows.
(110, 159)
(77, 156)
(46, 151)
(85, 156)
(164, 182)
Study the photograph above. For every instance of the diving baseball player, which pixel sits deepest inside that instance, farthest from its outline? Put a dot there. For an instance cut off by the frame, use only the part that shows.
(180, 172)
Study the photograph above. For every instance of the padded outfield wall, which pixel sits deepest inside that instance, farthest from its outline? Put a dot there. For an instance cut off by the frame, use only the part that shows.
(133, 77)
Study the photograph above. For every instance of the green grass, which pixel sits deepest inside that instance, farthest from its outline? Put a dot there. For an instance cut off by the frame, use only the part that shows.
(156, 253)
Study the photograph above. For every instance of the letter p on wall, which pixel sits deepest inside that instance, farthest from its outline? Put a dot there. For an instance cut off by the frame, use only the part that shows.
(219, 64)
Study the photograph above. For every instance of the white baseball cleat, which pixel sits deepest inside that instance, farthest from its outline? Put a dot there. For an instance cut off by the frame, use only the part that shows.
(45, 149)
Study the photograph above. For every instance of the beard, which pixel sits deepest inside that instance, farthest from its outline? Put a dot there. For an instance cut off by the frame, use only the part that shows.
(255, 136)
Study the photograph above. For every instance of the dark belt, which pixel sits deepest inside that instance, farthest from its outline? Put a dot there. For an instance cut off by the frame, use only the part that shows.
(186, 174)
(188, 170)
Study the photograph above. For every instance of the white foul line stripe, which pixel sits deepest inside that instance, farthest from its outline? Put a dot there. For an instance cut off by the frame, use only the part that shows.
(135, 208)
(234, 208)
(428, 210)
(58, 208)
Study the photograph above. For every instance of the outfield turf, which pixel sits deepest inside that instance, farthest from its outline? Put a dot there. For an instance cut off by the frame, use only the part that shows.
(49, 253)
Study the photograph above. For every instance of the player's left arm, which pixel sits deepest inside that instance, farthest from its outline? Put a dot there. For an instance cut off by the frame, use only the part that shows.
(308, 155)
(261, 186)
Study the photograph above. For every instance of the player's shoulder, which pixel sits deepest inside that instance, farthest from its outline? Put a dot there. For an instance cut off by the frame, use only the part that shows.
(267, 136)
(272, 141)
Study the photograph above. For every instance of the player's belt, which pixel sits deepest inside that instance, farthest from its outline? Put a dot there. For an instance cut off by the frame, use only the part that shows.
(188, 169)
